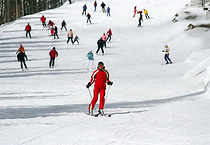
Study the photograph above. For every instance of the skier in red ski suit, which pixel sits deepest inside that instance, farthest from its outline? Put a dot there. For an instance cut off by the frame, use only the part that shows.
(100, 77)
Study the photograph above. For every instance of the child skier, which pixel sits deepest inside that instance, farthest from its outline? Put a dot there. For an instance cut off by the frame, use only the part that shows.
(166, 57)
(53, 53)
(76, 38)
(90, 60)
(100, 77)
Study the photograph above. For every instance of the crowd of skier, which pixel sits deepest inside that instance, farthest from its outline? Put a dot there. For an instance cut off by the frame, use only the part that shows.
(100, 76)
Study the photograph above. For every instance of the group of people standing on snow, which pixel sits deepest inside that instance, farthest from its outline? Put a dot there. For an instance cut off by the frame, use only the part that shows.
(103, 5)
(141, 15)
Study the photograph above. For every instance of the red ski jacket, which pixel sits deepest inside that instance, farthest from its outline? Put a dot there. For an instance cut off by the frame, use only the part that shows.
(100, 77)
(43, 19)
(53, 53)
(109, 32)
(28, 28)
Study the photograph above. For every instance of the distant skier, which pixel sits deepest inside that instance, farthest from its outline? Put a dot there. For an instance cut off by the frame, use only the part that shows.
(43, 19)
(103, 7)
(104, 38)
(76, 38)
(109, 33)
(28, 30)
(70, 35)
(90, 60)
(20, 49)
(100, 77)
(50, 23)
(100, 44)
(70, 2)
(166, 57)
(140, 18)
(108, 11)
(88, 18)
(56, 32)
(95, 6)
(146, 14)
(53, 54)
(21, 58)
(63, 25)
(84, 9)
(135, 10)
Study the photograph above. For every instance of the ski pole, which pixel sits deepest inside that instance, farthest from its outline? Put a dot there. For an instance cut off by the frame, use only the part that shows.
(90, 93)
(107, 93)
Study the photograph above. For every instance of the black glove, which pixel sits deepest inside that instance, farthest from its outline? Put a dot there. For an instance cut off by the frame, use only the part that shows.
(88, 85)
(110, 83)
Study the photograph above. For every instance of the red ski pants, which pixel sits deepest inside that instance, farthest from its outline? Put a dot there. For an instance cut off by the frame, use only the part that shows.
(95, 98)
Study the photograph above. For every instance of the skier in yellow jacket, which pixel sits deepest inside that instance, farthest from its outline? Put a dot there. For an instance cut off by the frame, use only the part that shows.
(146, 14)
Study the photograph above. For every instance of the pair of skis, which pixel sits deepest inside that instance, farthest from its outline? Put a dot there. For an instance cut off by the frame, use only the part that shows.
(98, 114)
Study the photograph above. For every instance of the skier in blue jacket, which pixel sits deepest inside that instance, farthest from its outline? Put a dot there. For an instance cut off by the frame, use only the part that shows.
(84, 9)
(90, 60)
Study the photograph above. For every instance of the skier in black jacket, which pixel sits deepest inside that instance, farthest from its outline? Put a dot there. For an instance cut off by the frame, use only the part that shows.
(103, 7)
(21, 57)
(100, 43)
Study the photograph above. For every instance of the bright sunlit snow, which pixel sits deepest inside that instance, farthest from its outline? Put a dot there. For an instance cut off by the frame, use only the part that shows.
(151, 103)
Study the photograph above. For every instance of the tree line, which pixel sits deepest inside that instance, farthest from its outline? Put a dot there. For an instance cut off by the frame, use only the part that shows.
(11, 10)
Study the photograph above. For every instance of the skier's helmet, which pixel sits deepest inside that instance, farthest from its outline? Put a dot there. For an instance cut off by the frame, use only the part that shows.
(100, 63)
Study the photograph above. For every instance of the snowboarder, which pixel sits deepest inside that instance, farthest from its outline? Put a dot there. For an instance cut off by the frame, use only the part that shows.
(76, 38)
(21, 57)
(103, 7)
(43, 19)
(104, 39)
(100, 44)
(28, 30)
(84, 9)
(95, 6)
(21, 49)
(88, 18)
(108, 11)
(166, 57)
(146, 14)
(53, 54)
(70, 36)
(63, 24)
(140, 18)
(56, 32)
(109, 33)
(100, 77)
(135, 10)
(90, 60)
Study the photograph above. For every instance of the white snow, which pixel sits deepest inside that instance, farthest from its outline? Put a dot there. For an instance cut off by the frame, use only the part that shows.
(150, 103)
